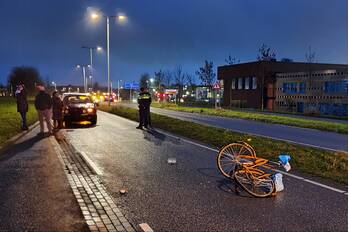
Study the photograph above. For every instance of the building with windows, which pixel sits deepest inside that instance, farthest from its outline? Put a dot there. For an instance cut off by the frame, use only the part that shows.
(314, 92)
(253, 85)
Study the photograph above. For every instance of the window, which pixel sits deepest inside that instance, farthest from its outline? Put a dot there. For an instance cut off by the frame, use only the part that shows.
(301, 87)
(247, 83)
(240, 83)
(336, 86)
(254, 82)
(289, 88)
(233, 83)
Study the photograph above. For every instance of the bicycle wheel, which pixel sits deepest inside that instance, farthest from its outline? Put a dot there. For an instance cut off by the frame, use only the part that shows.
(249, 146)
(255, 182)
(230, 155)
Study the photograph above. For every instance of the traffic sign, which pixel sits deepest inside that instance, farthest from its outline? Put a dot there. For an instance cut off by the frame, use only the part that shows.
(134, 86)
(216, 86)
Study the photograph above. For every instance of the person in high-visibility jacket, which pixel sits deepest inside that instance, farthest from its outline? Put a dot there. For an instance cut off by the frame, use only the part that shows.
(144, 101)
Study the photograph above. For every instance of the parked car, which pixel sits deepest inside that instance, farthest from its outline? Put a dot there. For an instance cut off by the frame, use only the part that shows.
(79, 107)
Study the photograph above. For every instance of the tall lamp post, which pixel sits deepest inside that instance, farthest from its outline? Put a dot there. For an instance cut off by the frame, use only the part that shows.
(119, 89)
(98, 48)
(83, 67)
(121, 18)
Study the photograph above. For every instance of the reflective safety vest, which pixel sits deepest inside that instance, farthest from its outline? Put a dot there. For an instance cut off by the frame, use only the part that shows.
(144, 99)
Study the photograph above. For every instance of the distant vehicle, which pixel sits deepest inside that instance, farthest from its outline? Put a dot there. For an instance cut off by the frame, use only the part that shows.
(79, 107)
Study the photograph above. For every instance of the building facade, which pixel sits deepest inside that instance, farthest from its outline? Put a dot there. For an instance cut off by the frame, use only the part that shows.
(316, 92)
(253, 85)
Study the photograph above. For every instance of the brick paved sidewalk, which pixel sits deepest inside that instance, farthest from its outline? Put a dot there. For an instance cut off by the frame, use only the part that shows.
(98, 208)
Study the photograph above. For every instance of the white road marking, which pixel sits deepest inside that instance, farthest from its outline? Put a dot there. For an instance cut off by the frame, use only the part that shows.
(216, 150)
(91, 164)
(145, 227)
(324, 186)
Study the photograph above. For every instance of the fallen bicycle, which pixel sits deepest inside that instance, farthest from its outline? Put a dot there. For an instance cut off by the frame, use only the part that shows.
(257, 176)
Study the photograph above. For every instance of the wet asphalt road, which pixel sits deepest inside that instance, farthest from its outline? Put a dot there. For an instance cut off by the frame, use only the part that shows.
(192, 195)
(34, 192)
(304, 136)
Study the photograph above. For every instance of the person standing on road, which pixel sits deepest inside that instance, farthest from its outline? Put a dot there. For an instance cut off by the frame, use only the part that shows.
(57, 107)
(144, 101)
(43, 104)
(22, 104)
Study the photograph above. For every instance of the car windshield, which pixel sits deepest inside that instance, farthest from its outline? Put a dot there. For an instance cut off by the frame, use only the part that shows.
(76, 99)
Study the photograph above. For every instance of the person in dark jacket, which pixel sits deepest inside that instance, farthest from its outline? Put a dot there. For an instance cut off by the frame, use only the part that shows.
(144, 101)
(57, 107)
(43, 104)
(22, 104)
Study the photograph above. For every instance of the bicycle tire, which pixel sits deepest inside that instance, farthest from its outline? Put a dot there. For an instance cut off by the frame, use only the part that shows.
(258, 187)
(249, 146)
(228, 157)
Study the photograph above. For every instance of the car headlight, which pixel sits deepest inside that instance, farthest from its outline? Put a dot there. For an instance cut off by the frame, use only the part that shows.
(90, 110)
(66, 111)
(84, 111)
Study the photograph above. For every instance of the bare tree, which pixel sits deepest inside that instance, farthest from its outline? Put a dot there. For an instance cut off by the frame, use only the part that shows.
(231, 60)
(310, 58)
(190, 80)
(206, 74)
(179, 78)
(265, 53)
(159, 80)
(168, 78)
(310, 55)
(144, 80)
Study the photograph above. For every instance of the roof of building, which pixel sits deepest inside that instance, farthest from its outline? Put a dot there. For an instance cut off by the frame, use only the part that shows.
(278, 62)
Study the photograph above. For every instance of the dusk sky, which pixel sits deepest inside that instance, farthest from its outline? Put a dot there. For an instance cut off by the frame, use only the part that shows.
(161, 34)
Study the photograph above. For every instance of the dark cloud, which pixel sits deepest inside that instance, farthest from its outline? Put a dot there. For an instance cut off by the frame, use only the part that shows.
(163, 34)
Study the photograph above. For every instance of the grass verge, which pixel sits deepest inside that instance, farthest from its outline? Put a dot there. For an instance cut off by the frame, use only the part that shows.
(290, 121)
(10, 119)
(316, 162)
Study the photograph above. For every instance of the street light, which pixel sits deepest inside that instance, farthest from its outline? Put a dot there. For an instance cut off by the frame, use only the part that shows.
(121, 18)
(98, 48)
(84, 74)
(54, 85)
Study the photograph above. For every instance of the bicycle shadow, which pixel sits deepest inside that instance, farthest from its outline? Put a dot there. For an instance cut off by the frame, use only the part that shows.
(223, 184)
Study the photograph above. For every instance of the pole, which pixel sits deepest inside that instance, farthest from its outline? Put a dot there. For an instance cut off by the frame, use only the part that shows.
(118, 90)
(108, 61)
(130, 91)
(91, 63)
(84, 76)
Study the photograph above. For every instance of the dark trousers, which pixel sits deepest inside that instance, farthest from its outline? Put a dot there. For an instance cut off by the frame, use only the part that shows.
(57, 123)
(144, 116)
(24, 119)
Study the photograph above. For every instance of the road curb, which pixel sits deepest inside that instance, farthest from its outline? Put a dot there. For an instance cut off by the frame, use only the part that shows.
(90, 164)
(14, 139)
